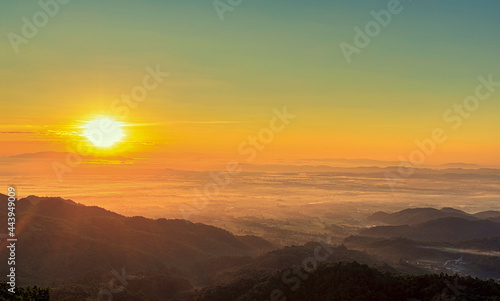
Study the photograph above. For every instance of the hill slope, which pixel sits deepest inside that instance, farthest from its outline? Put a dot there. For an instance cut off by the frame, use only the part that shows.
(60, 242)
(415, 216)
(449, 229)
(350, 281)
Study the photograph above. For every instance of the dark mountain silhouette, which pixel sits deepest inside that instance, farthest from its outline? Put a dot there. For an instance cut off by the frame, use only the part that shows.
(450, 229)
(417, 216)
(491, 214)
(61, 242)
(477, 257)
(78, 250)
(491, 244)
(395, 248)
(349, 281)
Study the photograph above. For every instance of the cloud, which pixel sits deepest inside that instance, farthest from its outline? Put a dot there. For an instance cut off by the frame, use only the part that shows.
(210, 122)
(62, 156)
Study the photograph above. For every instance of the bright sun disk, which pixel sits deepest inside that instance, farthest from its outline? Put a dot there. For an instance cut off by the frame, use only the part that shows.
(103, 132)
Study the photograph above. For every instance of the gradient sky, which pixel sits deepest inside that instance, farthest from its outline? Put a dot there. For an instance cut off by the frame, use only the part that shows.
(227, 76)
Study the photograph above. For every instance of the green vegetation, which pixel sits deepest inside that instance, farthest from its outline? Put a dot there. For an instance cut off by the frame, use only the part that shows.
(353, 282)
(24, 294)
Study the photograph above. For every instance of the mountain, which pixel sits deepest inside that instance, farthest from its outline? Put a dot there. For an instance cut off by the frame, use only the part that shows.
(491, 214)
(448, 229)
(396, 248)
(348, 281)
(460, 165)
(62, 242)
(478, 257)
(77, 250)
(80, 251)
(415, 216)
(491, 244)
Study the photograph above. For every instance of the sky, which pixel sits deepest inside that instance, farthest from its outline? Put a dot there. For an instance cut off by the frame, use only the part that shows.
(228, 76)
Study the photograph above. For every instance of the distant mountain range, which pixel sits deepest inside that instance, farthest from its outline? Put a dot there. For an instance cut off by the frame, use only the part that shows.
(429, 224)
(446, 239)
(479, 257)
(449, 169)
(421, 215)
(77, 250)
(448, 229)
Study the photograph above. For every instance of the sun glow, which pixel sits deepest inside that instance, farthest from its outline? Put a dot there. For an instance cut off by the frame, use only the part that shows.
(103, 132)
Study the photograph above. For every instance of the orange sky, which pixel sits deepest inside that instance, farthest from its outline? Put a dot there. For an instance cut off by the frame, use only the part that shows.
(225, 79)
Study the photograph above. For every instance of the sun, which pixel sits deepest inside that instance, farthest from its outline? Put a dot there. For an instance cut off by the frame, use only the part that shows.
(103, 132)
